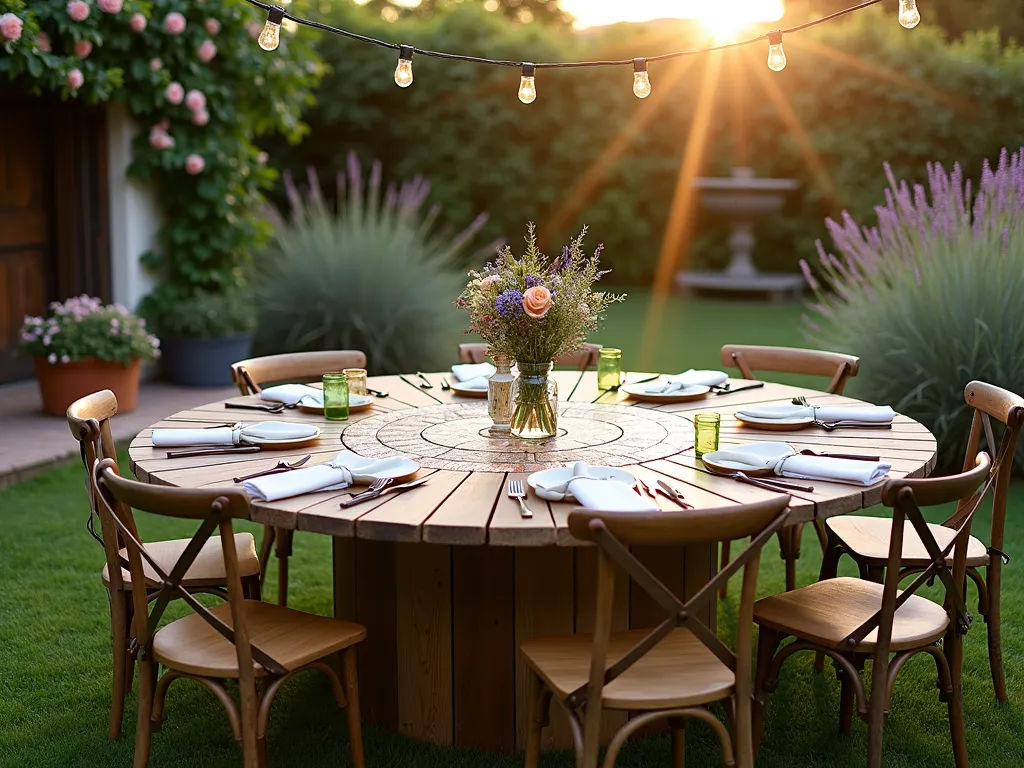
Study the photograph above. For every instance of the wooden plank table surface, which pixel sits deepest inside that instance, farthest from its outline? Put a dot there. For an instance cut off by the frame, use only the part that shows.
(449, 578)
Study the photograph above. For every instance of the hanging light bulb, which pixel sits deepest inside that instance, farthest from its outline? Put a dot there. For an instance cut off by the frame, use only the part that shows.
(776, 56)
(910, 17)
(528, 84)
(270, 37)
(403, 73)
(641, 80)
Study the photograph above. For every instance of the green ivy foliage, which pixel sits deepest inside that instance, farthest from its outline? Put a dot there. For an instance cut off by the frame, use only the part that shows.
(213, 217)
(856, 92)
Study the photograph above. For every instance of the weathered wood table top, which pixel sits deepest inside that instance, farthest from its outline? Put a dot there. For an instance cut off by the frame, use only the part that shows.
(464, 503)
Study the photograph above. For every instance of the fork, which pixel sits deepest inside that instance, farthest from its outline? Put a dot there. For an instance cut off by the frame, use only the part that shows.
(851, 456)
(426, 382)
(831, 426)
(518, 492)
(282, 466)
(275, 408)
(779, 486)
(375, 487)
(445, 386)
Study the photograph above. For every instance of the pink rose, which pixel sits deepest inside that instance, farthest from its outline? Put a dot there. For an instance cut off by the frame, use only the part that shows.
(10, 27)
(160, 139)
(156, 65)
(254, 28)
(200, 117)
(75, 79)
(262, 158)
(174, 23)
(78, 10)
(212, 26)
(111, 6)
(137, 22)
(175, 94)
(207, 50)
(194, 164)
(195, 100)
(537, 301)
(43, 42)
(83, 48)
(490, 280)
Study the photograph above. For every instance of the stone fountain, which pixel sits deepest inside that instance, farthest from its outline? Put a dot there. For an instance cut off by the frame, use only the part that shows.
(743, 198)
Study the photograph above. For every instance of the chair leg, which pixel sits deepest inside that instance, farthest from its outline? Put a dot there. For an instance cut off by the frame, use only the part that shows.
(767, 642)
(144, 723)
(121, 659)
(283, 538)
(846, 701)
(789, 546)
(832, 553)
(726, 554)
(954, 650)
(355, 723)
(537, 718)
(678, 742)
(992, 623)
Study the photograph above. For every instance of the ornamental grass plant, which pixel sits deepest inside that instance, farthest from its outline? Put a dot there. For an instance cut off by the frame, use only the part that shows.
(930, 297)
(371, 273)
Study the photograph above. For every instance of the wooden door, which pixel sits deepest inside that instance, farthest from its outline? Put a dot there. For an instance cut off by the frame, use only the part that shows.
(26, 226)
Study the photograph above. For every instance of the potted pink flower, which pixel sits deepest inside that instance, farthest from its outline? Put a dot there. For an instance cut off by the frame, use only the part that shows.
(85, 346)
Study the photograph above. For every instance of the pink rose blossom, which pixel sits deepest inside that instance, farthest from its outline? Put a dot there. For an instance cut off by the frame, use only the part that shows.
(10, 27)
(194, 164)
(254, 28)
(195, 100)
(175, 94)
(174, 23)
(207, 51)
(200, 117)
(156, 65)
(111, 6)
(159, 139)
(537, 301)
(78, 10)
(75, 79)
(43, 42)
(212, 26)
(83, 48)
(137, 22)
(262, 158)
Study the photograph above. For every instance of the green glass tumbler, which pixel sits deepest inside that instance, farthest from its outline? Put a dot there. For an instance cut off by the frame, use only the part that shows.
(335, 396)
(609, 369)
(706, 426)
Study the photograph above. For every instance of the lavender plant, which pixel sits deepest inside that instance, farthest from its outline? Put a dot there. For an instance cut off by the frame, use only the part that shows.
(930, 297)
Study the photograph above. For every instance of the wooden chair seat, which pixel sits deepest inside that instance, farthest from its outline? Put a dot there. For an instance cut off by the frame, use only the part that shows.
(290, 637)
(208, 568)
(679, 672)
(827, 612)
(867, 539)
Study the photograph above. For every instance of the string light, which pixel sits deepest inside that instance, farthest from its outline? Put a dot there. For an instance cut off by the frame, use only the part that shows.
(403, 72)
(270, 37)
(776, 56)
(641, 80)
(528, 84)
(910, 17)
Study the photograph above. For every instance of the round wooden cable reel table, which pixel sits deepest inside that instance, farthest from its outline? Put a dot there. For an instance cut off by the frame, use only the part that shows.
(449, 578)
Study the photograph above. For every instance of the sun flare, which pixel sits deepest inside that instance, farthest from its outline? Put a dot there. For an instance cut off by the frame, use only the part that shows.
(723, 19)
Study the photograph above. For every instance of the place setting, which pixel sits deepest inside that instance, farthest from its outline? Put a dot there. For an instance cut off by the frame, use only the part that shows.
(684, 387)
(800, 414)
(471, 379)
(235, 438)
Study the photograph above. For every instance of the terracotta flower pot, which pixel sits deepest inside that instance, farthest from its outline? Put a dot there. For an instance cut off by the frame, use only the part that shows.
(60, 384)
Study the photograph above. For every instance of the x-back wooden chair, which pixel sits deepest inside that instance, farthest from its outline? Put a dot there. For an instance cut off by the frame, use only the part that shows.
(295, 367)
(89, 421)
(583, 359)
(812, 362)
(242, 640)
(853, 620)
(866, 539)
(672, 671)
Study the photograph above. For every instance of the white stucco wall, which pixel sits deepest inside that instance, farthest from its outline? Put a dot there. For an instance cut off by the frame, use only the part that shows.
(135, 217)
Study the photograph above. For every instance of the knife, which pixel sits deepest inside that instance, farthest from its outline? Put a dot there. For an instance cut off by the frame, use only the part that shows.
(674, 495)
(391, 488)
(210, 451)
(739, 389)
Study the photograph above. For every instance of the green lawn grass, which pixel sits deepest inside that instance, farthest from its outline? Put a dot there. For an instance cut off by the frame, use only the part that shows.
(55, 657)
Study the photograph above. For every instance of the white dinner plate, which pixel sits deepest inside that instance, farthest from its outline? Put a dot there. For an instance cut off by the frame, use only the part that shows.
(779, 424)
(400, 468)
(764, 451)
(285, 442)
(355, 403)
(638, 392)
(461, 391)
(560, 475)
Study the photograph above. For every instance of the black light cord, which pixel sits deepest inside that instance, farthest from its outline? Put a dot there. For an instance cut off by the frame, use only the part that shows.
(556, 64)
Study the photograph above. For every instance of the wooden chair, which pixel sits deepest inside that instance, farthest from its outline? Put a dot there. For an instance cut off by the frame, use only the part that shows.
(256, 372)
(672, 671)
(853, 620)
(89, 420)
(583, 359)
(867, 539)
(812, 362)
(243, 640)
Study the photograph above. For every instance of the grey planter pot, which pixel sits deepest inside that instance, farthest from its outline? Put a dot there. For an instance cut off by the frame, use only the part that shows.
(192, 362)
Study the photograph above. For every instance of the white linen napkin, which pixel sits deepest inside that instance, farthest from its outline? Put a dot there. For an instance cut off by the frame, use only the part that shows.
(265, 430)
(832, 470)
(690, 378)
(468, 371)
(290, 394)
(596, 492)
(480, 383)
(875, 414)
(340, 472)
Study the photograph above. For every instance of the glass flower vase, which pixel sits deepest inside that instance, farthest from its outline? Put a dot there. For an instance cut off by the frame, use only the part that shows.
(535, 399)
(499, 393)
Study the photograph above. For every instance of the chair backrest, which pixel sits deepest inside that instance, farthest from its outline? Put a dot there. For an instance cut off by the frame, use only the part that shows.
(813, 362)
(214, 509)
(614, 532)
(582, 359)
(256, 372)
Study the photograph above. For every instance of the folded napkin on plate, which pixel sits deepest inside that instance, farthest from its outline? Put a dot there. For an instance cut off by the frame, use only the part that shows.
(875, 414)
(290, 394)
(784, 462)
(264, 430)
(596, 492)
(469, 371)
(690, 378)
(340, 472)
